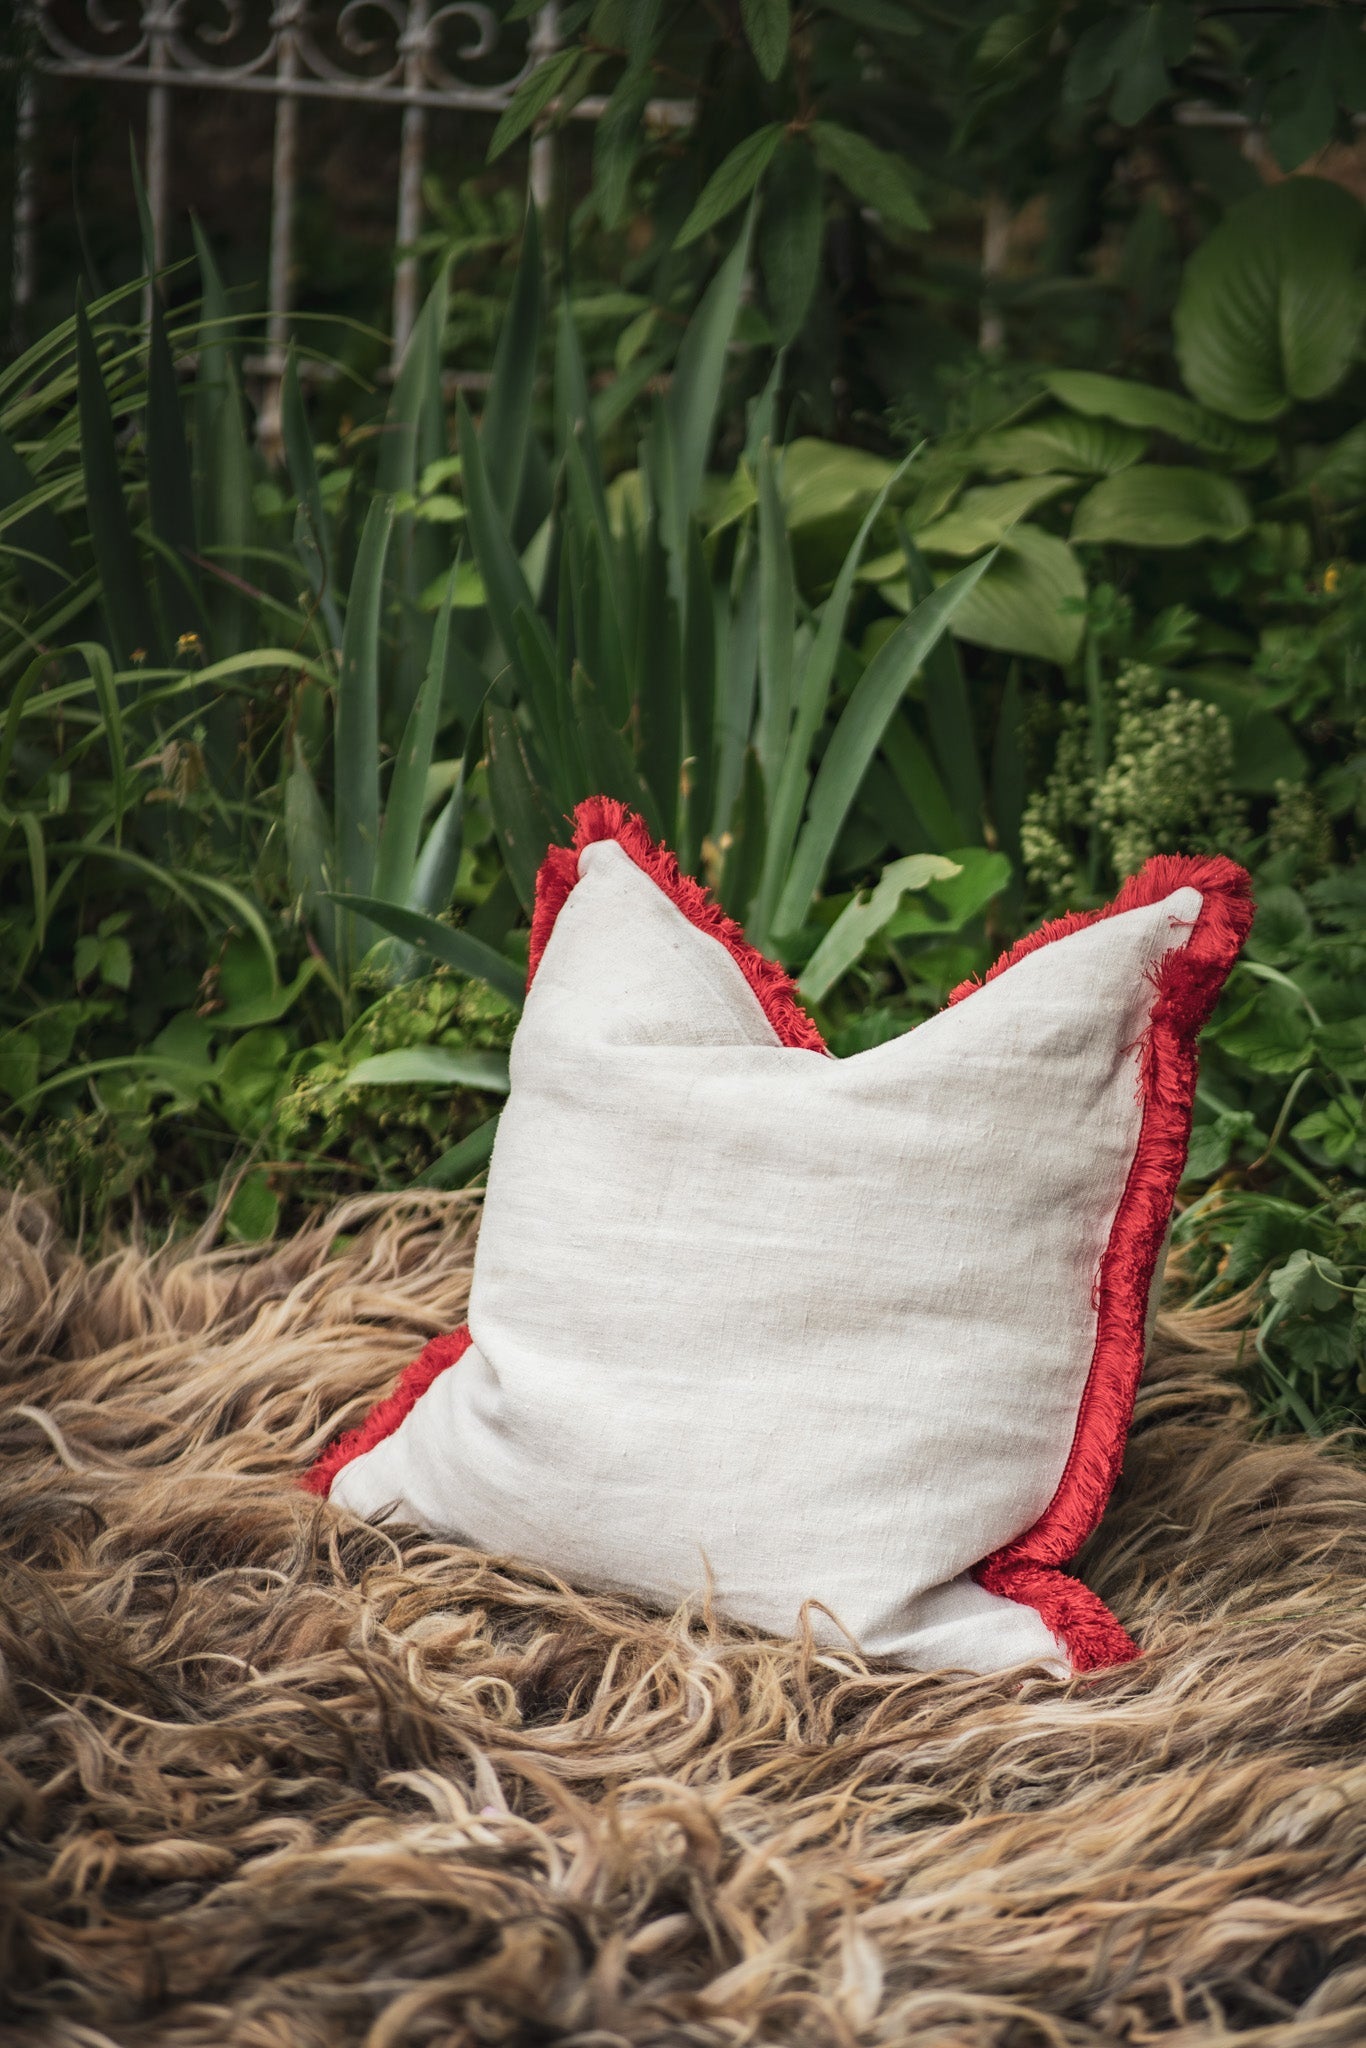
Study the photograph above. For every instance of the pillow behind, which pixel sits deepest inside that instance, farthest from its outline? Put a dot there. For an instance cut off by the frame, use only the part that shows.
(863, 1333)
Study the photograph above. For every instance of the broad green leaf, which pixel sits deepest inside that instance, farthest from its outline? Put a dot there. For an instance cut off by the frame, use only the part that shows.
(1271, 1032)
(1337, 473)
(1271, 305)
(822, 480)
(1151, 410)
(1265, 750)
(948, 905)
(1127, 54)
(436, 1066)
(1059, 441)
(123, 593)
(253, 1214)
(457, 949)
(984, 515)
(1030, 602)
(731, 183)
(768, 24)
(1154, 506)
(858, 735)
(873, 175)
(1306, 1281)
(864, 917)
(531, 98)
(791, 233)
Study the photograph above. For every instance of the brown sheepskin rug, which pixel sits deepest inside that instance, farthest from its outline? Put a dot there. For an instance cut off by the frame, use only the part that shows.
(270, 1778)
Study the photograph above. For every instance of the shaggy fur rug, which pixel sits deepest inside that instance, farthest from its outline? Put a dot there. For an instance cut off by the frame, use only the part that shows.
(270, 1778)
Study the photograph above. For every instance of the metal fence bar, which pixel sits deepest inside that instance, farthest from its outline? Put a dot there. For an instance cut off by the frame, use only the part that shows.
(25, 253)
(411, 163)
(381, 52)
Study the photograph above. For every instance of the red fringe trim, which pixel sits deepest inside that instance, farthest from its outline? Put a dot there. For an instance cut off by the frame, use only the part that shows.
(1187, 984)
(602, 817)
(385, 1417)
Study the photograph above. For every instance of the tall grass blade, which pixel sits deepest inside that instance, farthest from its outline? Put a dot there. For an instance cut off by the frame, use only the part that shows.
(523, 822)
(699, 706)
(857, 736)
(111, 719)
(694, 393)
(402, 827)
(813, 695)
(223, 460)
(123, 594)
(443, 942)
(35, 542)
(948, 713)
(301, 463)
(506, 425)
(356, 731)
(777, 621)
(312, 856)
(170, 490)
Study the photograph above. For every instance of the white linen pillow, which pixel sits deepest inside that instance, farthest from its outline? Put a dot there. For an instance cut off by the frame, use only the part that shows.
(860, 1333)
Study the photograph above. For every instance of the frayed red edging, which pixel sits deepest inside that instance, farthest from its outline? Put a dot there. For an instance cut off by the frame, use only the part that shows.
(1187, 984)
(602, 817)
(385, 1417)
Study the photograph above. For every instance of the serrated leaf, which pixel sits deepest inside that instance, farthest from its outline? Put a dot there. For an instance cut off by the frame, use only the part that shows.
(873, 175)
(791, 233)
(1155, 506)
(731, 183)
(531, 98)
(1271, 305)
(768, 24)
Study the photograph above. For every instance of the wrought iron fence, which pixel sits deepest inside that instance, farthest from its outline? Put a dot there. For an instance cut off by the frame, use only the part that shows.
(416, 56)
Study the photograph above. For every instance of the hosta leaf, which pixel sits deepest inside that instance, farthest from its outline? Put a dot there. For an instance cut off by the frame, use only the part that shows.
(1152, 506)
(1059, 441)
(984, 515)
(1271, 305)
(1151, 410)
(1018, 606)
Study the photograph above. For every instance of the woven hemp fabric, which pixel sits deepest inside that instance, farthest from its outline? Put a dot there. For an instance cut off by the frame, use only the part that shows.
(859, 1333)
